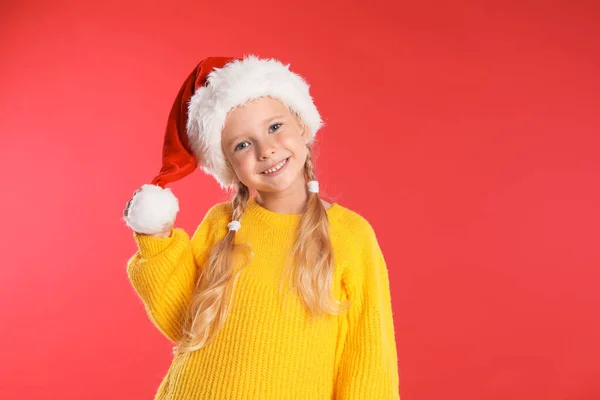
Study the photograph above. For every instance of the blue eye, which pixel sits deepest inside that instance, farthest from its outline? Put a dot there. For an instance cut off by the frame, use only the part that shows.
(278, 125)
(238, 147)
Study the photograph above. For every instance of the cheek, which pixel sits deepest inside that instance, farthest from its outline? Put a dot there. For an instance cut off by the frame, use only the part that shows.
(243, 164)
(291, 141)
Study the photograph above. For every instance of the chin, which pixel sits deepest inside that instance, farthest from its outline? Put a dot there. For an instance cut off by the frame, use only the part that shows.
(273, 188)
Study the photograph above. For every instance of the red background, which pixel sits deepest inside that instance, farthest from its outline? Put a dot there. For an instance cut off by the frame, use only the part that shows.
(466, 132)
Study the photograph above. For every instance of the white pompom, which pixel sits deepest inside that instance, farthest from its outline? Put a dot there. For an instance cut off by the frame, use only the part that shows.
(152, 209)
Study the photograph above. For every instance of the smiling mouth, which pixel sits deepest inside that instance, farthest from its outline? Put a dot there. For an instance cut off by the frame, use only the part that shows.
(276, 167)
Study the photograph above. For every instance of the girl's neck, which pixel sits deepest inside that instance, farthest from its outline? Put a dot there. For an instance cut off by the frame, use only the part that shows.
(292, 201)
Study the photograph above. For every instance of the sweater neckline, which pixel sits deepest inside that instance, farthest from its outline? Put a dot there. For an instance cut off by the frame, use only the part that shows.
(256, 211)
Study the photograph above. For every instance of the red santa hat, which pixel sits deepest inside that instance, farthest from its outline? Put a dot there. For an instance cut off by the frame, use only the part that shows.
(193, 134)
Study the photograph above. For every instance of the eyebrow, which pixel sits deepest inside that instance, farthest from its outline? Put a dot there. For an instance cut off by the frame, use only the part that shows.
(272, 118)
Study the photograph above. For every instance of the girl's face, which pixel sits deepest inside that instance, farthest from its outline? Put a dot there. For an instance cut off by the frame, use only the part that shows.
(266, 146)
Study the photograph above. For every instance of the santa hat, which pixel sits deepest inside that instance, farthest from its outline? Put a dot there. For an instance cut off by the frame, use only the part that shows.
(193, 134)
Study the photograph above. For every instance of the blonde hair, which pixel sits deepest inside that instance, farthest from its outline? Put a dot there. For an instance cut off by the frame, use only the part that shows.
(310, 270)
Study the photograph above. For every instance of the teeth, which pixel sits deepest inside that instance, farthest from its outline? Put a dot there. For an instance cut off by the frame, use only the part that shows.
(275, 168)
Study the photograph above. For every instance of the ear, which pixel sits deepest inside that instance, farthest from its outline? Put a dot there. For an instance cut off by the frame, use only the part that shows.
(304, 134)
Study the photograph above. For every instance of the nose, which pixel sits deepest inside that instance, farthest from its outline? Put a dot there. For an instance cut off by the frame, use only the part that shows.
(266, 149)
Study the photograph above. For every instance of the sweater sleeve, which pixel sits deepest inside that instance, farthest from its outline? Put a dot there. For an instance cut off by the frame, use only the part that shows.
(163, 272)
(368, 367)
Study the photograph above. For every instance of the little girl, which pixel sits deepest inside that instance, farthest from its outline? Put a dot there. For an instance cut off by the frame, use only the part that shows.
(278, 294)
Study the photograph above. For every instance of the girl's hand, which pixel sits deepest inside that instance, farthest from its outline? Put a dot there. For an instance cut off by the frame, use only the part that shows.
(126, 210)
(151, 211)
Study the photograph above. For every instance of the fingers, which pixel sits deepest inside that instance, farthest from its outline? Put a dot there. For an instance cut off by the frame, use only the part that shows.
(126, 210)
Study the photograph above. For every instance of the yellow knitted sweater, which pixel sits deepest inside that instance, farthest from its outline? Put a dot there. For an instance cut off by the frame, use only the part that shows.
(269, 348)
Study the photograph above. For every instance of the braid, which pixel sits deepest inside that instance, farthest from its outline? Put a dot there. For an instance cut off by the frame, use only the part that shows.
(240, 201)
(309, 172)
(216, 281)
(313, 266)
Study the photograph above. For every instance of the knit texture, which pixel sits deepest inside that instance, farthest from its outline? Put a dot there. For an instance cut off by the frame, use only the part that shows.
(269, 347)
